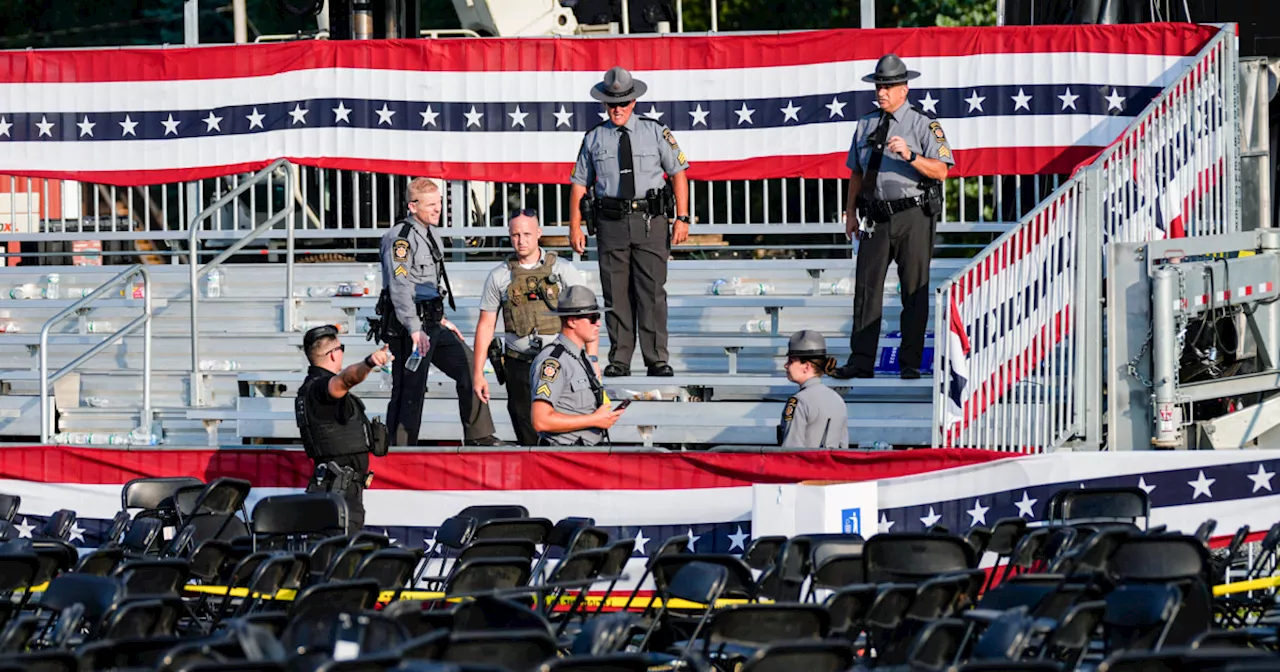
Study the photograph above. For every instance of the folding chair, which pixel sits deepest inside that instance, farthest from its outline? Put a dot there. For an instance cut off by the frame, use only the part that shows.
(810, 656)
(295, 522)
(673, 546)
(698, 582)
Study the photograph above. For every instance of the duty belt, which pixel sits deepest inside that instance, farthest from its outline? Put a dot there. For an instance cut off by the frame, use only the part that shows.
(641, 205)
(519, 356)
(882, 210)
(430, 311)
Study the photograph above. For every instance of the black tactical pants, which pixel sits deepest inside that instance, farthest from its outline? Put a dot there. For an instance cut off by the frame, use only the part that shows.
(633, 274)
(520, 400)
(449, 354)
(907, 239)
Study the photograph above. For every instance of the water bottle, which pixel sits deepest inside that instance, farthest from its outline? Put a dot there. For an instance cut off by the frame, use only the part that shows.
(98, 327)
(762, 288)
(843, 287)
(717, 288)
(73, 438)
(321, 292)
(27, 291)
(143, 436)
(370, 277)
(414, 361)
(875, 445)
(219, 365)
(213, 284)
(51, 286)
(8, 328)
(757, 327)
(97, 402)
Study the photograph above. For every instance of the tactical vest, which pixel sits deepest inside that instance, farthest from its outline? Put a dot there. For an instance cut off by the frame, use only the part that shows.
(532, 292)
(326, 439)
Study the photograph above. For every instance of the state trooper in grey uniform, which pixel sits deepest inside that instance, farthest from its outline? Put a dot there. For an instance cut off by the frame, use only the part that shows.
(569, 408)
(622, 160)
(815, 416)
(899, 157)
(416, 284)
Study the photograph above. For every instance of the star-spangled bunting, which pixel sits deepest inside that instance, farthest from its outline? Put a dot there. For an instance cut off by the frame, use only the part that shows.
(569, 116)
(1198, 485)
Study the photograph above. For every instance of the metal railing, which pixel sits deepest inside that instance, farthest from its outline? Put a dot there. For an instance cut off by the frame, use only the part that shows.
(1029, 306)
(143, 320)
(198, 271)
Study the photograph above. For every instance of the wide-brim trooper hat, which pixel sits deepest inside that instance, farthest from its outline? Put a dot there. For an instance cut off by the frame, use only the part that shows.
(891, 70)
(576, 301)
(618, 86)
(809, 345)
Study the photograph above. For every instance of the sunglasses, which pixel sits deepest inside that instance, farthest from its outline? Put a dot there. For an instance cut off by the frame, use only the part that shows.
(613, 105)
(342, 347)
(593, 319)
(523, 212)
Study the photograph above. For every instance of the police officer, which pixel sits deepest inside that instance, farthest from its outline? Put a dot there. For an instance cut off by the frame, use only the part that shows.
(415, 280)
(569, 408)
(622, 161)
(899, 158)
(336, 433)
(815, 416)
(524, 287)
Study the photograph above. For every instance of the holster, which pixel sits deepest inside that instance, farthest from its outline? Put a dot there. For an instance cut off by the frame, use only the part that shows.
(495, 359)
(331, 477)
(932, 201)
(431, 312)
(657, 202)
(386, 327)
(587, 206)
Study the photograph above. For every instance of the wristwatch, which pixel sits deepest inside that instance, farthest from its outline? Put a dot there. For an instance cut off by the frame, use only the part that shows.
(683, 218)
(913, 158)
(594, 359)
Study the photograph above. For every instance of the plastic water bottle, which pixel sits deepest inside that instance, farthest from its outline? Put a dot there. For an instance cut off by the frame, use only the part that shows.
(8, 328)
(98, 327)
(51, 290)
(875, 445)
(27, 291)
(842, 287)
(213, 284)
(762, 288)
(143, 436)
(73, 438)
(219, 365)
(321, 292)
(757, 327)
(370, 277)
(97, 402)
(414, 361)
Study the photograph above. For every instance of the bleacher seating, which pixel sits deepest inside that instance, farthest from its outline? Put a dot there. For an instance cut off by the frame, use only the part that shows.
(735, 377)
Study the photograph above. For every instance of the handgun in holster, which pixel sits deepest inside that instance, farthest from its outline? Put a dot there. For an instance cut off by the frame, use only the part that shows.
(385, 328)
(587, 206)
(332, 477)
(932, 201)
(495, 359)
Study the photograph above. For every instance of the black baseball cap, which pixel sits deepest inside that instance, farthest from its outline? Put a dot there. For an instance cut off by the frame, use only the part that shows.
(317, 333)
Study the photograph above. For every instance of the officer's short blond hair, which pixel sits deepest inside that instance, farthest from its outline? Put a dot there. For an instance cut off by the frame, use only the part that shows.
(419, 187)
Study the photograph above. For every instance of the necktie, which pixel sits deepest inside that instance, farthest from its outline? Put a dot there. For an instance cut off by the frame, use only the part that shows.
(627, 188)
(877, 141)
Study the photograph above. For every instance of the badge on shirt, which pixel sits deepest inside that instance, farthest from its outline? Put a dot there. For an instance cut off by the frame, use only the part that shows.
(790, 411)
(666, 133)
(550, 369)
(400, 250)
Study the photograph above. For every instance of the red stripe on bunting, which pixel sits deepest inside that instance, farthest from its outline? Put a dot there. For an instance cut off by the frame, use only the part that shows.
(542, 54)
(485, 471)
(969, 163)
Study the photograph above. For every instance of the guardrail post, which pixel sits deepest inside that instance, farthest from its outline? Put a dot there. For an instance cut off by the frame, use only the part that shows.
(1087, 309)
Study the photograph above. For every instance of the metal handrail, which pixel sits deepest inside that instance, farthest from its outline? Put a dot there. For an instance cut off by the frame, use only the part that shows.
(198, 271)
(46, 418)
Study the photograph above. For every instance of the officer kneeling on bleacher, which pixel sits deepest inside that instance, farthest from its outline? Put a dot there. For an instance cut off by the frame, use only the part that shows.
(815, 416)
(569, 406)
(336, 433)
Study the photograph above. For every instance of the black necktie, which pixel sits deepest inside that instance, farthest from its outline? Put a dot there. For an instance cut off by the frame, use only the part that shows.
(627, 188)
(877, 141)
(438, 256)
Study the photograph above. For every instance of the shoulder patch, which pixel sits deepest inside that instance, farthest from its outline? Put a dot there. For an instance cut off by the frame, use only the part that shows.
(671, 139)
(543, 390)
(944, 151)
(936, 127)
(400, 270)
(790, 411)
(681, 159)
(550, 369)
(400, 250)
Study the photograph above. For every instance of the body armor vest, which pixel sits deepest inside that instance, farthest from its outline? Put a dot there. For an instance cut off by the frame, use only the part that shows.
(531, 293)
(326, 439)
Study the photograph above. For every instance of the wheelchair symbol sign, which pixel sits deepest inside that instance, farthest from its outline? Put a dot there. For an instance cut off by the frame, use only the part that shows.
(851, 521)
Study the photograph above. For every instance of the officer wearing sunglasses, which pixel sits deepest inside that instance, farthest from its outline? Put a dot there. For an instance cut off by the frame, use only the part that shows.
(622, 162)
(336, 433)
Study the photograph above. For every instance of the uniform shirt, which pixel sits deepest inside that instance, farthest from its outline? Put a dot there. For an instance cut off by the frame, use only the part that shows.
(496, 284)
(323, 408)
(565, 382)
(897, 178)
(409, 271)
(814, 410)
(653, 149)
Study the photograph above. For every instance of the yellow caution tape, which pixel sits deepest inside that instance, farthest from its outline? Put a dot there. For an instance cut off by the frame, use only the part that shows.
(1246, 586)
